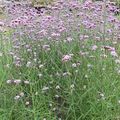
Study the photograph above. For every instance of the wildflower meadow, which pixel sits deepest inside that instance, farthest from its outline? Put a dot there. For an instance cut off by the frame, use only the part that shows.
(60, 61)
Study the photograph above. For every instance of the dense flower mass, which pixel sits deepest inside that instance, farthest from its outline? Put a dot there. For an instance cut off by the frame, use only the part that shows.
(63, 19)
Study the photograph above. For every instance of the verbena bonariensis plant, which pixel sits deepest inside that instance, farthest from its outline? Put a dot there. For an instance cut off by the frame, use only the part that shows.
(52, 60)
(61, 21)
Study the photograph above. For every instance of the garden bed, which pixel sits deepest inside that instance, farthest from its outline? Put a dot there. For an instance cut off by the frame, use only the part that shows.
(60, 62)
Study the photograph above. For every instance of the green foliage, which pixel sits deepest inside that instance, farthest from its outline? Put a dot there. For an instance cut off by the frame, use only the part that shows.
(41, 2)
(118, 2)
(89, 92)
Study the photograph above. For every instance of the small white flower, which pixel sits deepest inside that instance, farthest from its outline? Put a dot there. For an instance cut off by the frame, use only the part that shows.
(40, 75)
(1, 54)
(26, 82)
(103, 69)
(27, 103)
(28, 64)
(84, 87)
(9, 81)
(22, 94)
(41, 66)
(66, 73)
(117, 61)
(57, 87)
(76, 71)
(57, 96)
(74, 65)
(17, 82)
(44, 119)
(50, 104)
(29, 50)
(101, 94)
(17, 97)
(72, 86)
(115, 42)
(59, 119)
(86, 76)
(78, 64)
(36, 93)
(89, 66)
(54, 109)
(35, 60)
(118, 71)
(69, 39)
(45, 88)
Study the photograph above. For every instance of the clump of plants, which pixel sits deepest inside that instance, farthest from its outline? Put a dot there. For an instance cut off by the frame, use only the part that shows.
(63, 62)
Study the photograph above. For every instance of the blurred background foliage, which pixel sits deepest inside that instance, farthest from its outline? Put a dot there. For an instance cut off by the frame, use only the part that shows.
(46, 2)
(118, 2)
(41, 2)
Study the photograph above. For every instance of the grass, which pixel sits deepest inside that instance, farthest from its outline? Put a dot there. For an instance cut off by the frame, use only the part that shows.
(89, 92)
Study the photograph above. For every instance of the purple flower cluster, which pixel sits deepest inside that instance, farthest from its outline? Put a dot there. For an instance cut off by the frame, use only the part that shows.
(63, 20)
